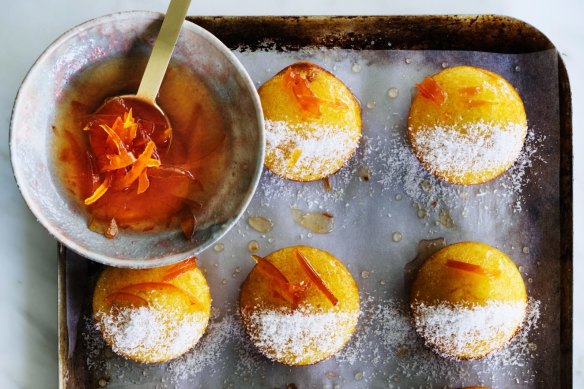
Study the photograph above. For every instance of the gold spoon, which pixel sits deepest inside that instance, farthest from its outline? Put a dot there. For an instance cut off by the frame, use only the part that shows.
(157, 63)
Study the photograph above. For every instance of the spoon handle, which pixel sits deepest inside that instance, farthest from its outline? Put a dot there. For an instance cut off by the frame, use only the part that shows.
(162, 51)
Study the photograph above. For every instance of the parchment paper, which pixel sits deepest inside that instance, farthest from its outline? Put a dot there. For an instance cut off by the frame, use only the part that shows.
(517, 213)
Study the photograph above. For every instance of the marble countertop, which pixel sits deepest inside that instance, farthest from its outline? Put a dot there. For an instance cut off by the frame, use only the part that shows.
(28, 307)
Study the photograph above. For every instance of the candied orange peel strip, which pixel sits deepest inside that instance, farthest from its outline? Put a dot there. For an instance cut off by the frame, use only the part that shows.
(144, 161)
(470, 90)
(115, 138)
(119, 161)
(305, 97)
(474, 103)
(100, 191)
(327, 184)
(143, 182)
(180, 268)
(431, 90)
(130, 298)
(472, 268)
(315, 278)
(291, 292)
(145, 287)
(130, 126)
(123, 132)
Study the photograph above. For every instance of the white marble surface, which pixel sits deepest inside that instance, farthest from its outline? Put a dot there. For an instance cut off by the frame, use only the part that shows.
(28, 302)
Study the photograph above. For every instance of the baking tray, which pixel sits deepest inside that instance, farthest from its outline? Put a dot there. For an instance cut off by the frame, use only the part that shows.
(484, 33)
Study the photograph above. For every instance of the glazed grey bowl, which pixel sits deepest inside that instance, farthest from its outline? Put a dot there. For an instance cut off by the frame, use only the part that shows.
(32, 141)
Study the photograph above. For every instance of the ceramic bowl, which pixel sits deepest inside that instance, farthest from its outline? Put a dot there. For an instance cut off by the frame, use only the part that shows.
(32, 141)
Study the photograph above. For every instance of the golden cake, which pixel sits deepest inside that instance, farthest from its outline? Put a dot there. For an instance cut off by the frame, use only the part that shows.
(468, 300)
(466, 125)
(313, 122)
(152, 315)
(299, 305)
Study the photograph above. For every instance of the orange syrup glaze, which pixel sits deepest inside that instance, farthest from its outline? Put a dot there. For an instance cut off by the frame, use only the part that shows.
(181, 167)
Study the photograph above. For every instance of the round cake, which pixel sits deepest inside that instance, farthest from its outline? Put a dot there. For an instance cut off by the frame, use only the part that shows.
(468, 300)
(313, 122)
(152, 315)
(467, 125)
(299, 305)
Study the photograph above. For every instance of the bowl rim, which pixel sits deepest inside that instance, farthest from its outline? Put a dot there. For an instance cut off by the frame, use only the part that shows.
(137, 263)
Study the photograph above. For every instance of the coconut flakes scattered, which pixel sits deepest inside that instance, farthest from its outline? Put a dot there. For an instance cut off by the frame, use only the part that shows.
(397, 168)
(208, 354)
(385, 337)
(385, 346)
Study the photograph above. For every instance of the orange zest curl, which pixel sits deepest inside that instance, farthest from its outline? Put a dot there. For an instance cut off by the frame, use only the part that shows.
(431, 90)
(143, 182)
(144, 160)
(299, 85)
(130, 127)
(315, 278)
(120, 165)
(118, 161)
(291, 292)
(100, 191)
(472, 268)
(114, 137)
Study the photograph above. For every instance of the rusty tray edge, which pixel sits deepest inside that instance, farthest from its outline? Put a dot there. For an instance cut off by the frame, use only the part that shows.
(567, 228)
(63, 351)
(499, 34)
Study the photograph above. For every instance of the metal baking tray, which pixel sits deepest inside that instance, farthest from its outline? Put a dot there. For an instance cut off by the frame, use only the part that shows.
(485, 33)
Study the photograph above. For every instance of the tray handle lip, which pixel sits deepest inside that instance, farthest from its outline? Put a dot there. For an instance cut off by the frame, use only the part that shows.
(567, 227)
(527, 39)
(62, 317)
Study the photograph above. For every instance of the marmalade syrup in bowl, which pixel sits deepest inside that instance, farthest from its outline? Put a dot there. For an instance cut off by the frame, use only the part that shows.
(122, 161)
(89, 171)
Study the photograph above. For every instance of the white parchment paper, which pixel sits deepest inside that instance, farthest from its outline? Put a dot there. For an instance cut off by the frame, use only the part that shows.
(517, 213)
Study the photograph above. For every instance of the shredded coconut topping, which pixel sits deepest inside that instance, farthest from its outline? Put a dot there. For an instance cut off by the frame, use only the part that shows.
(151, 330)
(293, 335)
(385, 337)
(298, 149)
(477, 149)
(468, 331)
